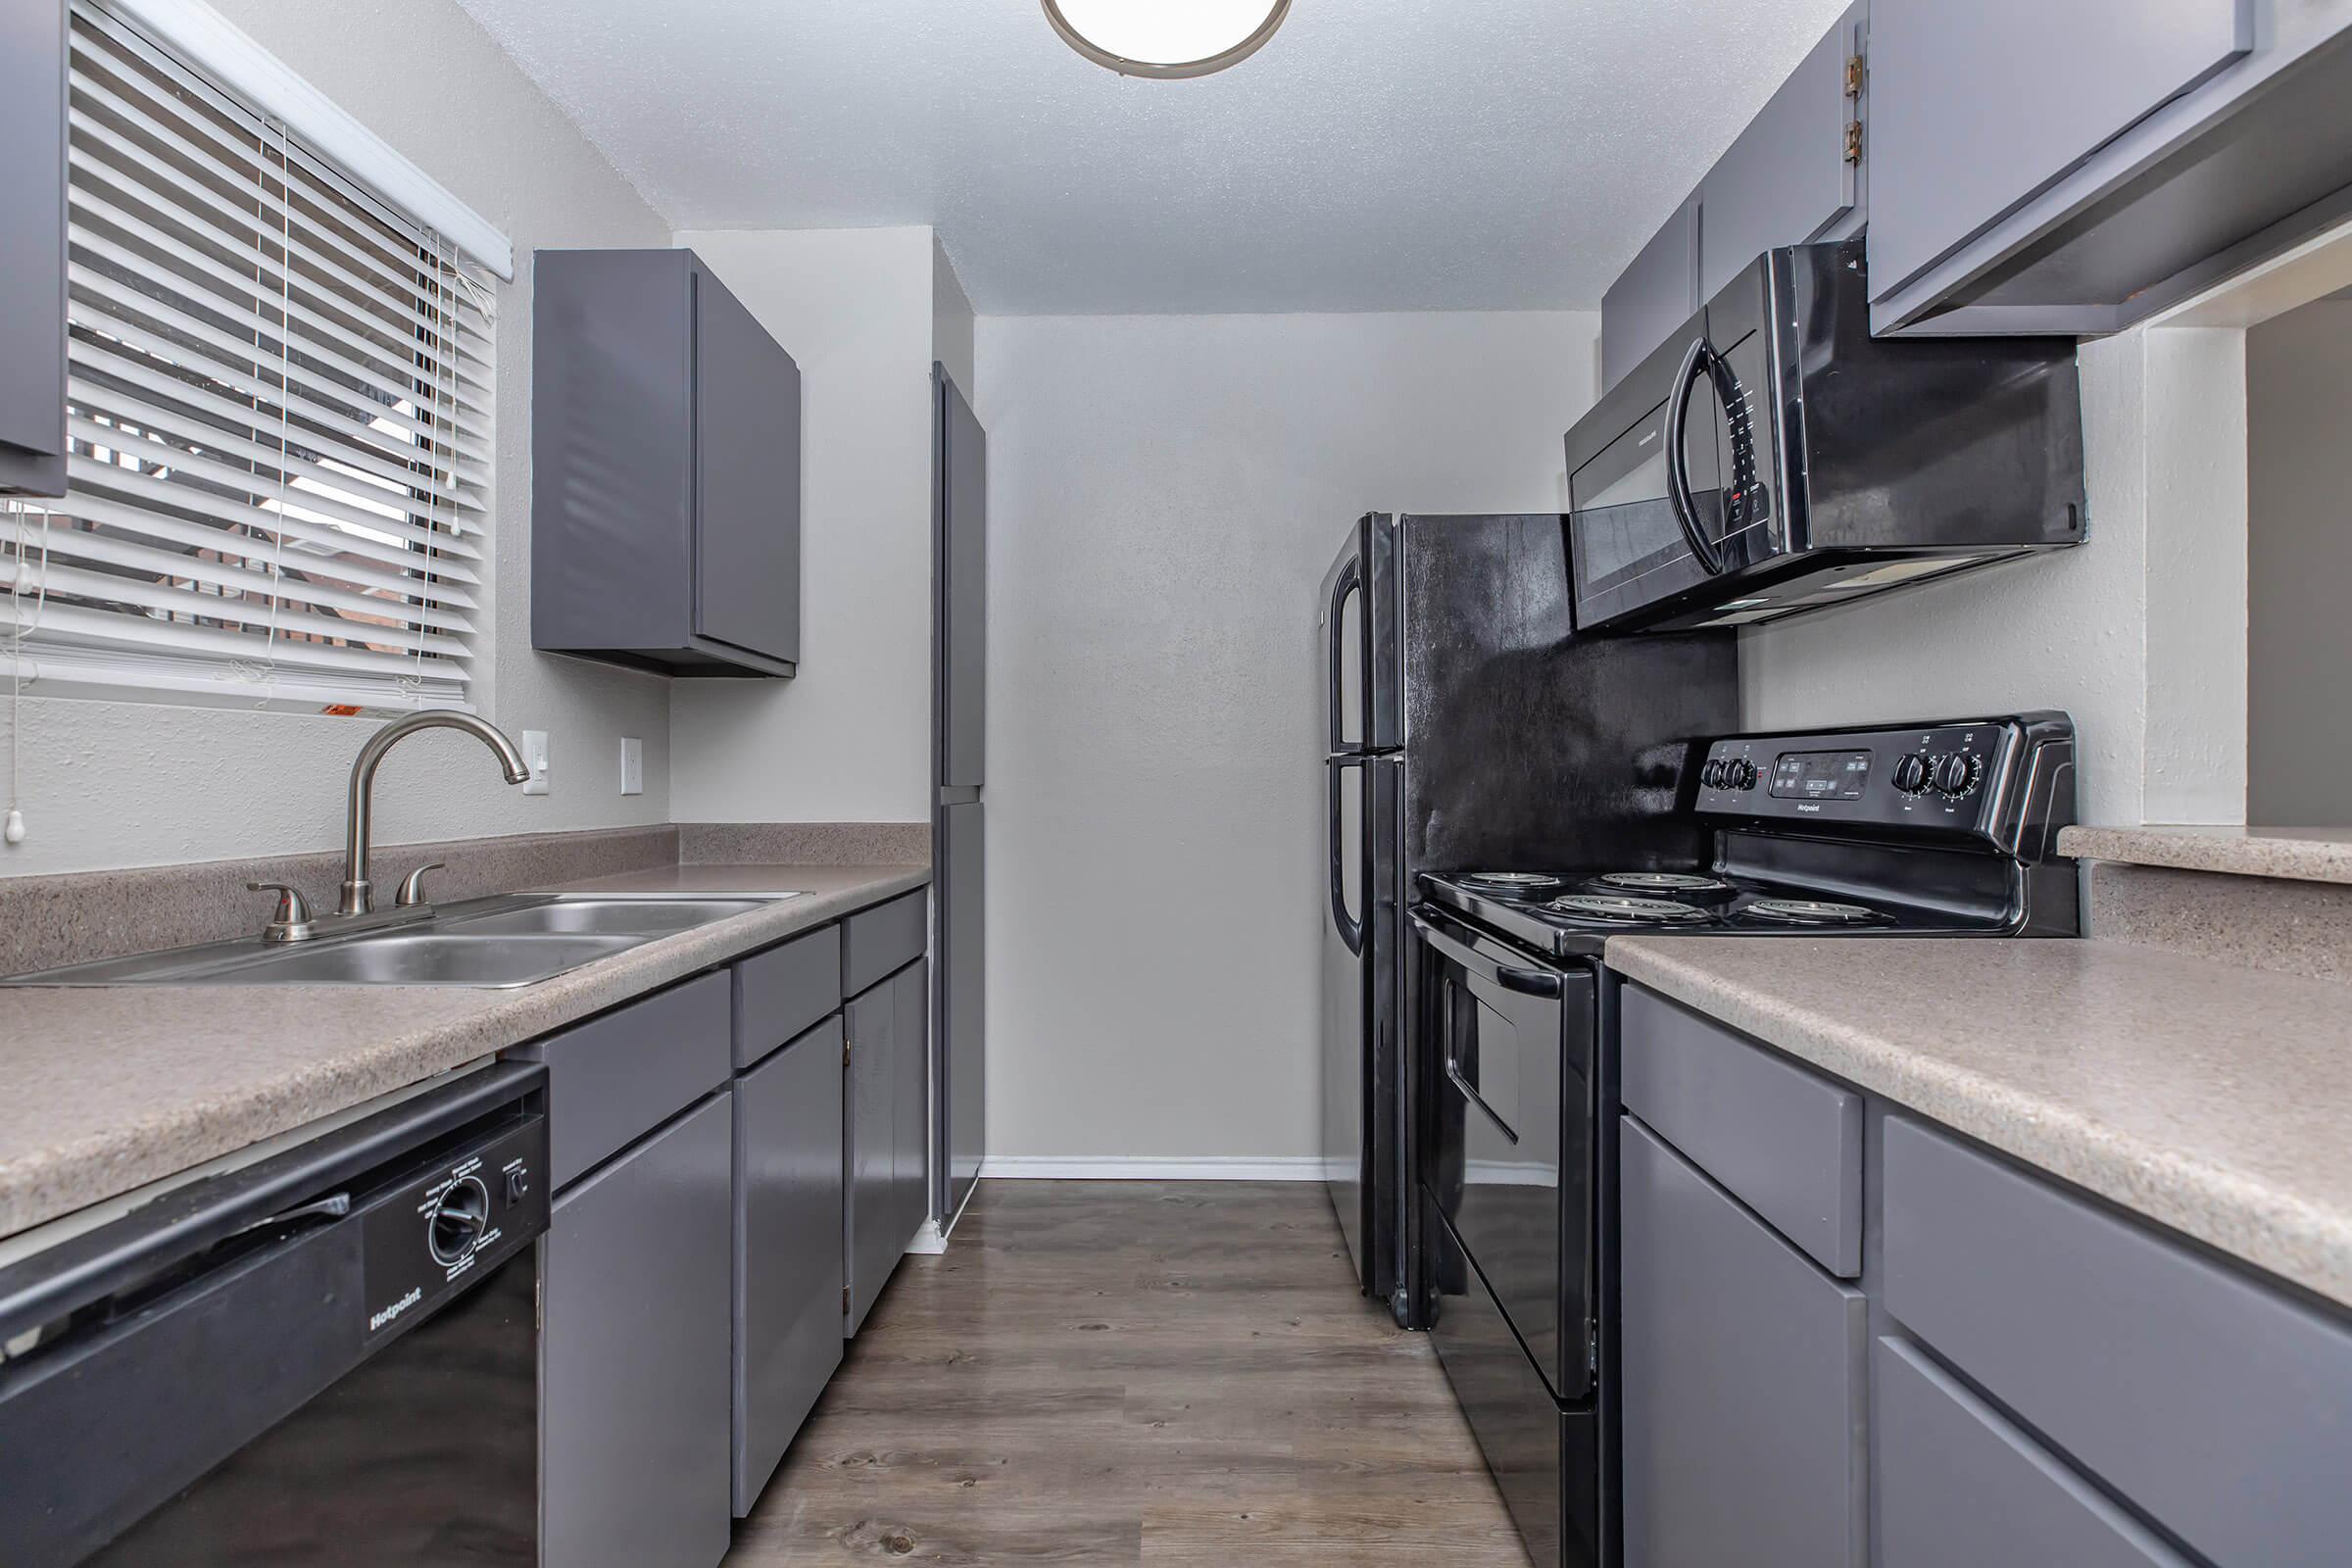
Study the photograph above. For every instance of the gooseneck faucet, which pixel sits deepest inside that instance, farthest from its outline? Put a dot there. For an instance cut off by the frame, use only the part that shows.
(358, 895)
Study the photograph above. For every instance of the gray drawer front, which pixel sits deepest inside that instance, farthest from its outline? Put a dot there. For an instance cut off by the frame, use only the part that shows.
(788, 1263)
(875, 942)
(613, 1079)
(1787, 1144)
(1960, 1487)
(1742, 1382)
(2215, 1404)
(785, 990)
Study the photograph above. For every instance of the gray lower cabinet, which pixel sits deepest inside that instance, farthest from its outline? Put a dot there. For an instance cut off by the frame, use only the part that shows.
(1741, 1381)
(665, 495)
(32, 247)
(1958, 1486)
(886, 1113)
(788, 1252)
(1796, 174)
(634, 1379)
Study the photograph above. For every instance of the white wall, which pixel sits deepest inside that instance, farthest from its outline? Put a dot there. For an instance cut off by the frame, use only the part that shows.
(2299, 418)
(1165, 494)
(114, 784)
(2139, 634)
(849, 739)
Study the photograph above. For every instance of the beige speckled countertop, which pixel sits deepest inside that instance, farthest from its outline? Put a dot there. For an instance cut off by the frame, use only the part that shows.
(2306, 854)
(2215, 1100)
(103, 1090)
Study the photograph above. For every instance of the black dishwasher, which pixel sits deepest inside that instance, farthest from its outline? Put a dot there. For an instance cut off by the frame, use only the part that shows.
(326, 1357)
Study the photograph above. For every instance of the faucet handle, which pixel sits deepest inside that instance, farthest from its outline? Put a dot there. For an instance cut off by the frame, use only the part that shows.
(290, 921)
(411, 886)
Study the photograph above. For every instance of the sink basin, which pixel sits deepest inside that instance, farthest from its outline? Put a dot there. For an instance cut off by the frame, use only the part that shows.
(417, 958)
(495, 943)
(633, 917)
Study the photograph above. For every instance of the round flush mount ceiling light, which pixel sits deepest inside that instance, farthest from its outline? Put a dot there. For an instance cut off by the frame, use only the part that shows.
(1166, 37)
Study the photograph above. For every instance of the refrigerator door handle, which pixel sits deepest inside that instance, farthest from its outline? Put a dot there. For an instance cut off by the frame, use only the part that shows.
(1350, 929)
(1350, 577)
(1451, 940)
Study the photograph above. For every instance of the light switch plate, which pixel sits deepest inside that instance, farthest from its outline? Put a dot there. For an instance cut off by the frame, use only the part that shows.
(534, 758)
(632, 766)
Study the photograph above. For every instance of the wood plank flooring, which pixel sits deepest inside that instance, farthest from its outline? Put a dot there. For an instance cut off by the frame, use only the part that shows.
(1134, 1372)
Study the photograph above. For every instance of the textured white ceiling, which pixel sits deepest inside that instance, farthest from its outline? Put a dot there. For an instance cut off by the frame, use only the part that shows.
(1376, 155)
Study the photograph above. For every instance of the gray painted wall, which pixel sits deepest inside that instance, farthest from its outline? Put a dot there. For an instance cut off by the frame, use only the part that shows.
(1164, 496)
(114, 784)
(2299, 567)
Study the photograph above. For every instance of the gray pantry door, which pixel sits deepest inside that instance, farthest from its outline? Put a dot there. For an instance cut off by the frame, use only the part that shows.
(959, 755)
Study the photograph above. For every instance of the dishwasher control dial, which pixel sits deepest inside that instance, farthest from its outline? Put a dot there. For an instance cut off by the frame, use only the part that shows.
(460, 1218)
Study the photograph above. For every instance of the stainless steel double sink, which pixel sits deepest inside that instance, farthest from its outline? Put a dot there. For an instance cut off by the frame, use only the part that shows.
(495, 943)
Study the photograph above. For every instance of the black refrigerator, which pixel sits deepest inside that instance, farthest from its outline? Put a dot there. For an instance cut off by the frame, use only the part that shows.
(1466, 727)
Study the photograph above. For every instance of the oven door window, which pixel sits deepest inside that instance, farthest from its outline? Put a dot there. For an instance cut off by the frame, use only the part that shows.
(1625, 547)
(1511, 1149)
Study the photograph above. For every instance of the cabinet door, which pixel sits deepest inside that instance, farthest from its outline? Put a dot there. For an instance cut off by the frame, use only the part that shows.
(1787, 179)
(633, 1371)
(788, 1264)
(962, 961)
(746, 453)
(962, 551)
(871, 1244)
(1741, 1383)
(1975, 107)
(911, 1100)
(32, 247)
(1655, 294)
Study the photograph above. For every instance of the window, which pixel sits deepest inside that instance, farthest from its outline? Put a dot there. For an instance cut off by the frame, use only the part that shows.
(278, 399)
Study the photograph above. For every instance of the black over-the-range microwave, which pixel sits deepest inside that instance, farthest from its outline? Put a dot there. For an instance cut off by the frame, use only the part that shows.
(1772, 457)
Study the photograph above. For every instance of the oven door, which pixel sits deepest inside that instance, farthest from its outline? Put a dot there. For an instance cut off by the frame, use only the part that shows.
(1510, 1135)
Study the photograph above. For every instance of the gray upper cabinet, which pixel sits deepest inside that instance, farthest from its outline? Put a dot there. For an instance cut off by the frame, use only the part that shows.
(665, 480)
(1655, 294)
(32, 247)
(1796, 174)
(2075, 169)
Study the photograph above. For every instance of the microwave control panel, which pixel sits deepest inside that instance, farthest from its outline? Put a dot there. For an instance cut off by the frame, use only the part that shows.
(1942, 777)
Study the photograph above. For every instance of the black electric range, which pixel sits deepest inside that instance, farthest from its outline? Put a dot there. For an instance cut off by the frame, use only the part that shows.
(1938, 829)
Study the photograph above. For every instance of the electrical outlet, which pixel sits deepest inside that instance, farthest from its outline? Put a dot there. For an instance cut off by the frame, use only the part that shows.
(632, 766)
(535, 758)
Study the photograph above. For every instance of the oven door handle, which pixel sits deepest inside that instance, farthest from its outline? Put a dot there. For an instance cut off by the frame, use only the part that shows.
(1698, 361)
(1453, 941)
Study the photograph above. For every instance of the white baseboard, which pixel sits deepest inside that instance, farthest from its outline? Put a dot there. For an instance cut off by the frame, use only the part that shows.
(1098, 1168)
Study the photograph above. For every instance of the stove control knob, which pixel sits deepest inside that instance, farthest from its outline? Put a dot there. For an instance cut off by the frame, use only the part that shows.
(1956, 774)
(458, 1221)
(1711, 775)
(1911, 774)
(1743, 775)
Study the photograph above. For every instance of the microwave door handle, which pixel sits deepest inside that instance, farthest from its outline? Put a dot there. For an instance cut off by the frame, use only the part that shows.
(1350, 929)
(1349, 578)
(1698, 361)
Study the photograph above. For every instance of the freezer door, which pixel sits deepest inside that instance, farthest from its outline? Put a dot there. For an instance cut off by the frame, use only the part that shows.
(1356, 623)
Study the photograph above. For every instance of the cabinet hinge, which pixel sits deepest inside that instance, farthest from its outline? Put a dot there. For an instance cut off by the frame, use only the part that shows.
(845, 1300)
(1854, 75)
(1854, 141)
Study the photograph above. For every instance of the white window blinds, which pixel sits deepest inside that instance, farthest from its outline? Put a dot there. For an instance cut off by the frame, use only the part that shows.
(278, 401)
